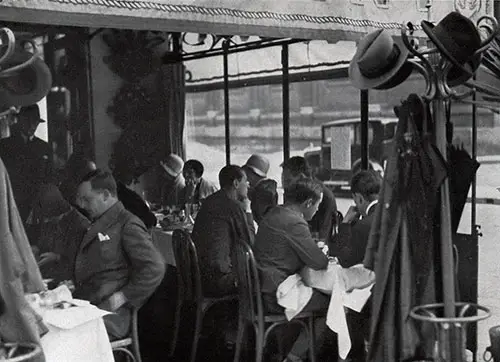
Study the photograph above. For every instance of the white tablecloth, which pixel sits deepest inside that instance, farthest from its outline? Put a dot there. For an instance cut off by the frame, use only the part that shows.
(163, 241)
(86, 342)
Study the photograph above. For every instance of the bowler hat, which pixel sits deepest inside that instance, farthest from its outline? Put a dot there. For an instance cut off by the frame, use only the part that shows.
(456, 37)
(258, 164)
(172, 165)
(24, 86)
(378, 59)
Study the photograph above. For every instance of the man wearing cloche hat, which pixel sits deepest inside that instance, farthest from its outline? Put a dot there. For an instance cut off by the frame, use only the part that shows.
(173, 189)
(27, 158)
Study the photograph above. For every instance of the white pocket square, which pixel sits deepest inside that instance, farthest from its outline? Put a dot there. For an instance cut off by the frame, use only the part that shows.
(102, 237)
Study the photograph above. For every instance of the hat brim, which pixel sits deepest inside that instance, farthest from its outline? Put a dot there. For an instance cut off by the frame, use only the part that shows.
(359, 81)
(428, 27)
(256, 170)
(398, 78)
(27, 86)
(169, 170)
(457, 77)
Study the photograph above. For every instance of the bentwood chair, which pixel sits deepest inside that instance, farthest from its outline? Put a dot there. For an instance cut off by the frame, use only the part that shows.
(19, 352)
(251, 309)
(190, 289)
(129, 345)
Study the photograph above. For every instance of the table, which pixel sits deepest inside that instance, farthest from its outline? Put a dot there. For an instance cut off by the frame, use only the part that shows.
(163, 241)
(75, 339)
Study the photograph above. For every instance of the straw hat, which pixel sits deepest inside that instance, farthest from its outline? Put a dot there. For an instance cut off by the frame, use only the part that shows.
(258, 164)
(379, 59)
(456, 37)
(172, 165)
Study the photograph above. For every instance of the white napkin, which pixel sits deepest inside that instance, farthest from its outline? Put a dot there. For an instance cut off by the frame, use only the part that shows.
(335, 317)
(72, 317)
(293, 295)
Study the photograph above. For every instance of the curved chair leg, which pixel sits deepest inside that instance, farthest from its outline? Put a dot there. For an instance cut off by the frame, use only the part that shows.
(312, 337)
(177, 322)
(135, 339)
(259, 344)
(197, 330)
(130, 355)
(239, 338)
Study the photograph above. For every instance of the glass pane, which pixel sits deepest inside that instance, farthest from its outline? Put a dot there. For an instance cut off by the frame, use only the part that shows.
(204, 131)
(258, 127)
(255, 125)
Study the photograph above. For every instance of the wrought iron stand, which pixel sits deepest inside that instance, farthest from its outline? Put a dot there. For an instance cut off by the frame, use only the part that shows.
(449, 318)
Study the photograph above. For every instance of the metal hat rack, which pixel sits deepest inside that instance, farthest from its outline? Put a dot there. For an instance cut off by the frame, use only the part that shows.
(449, 317)
(8, 48)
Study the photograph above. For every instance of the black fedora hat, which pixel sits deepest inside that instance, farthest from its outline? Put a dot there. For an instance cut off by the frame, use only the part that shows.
(378, 59)
(24, 86)
(456, 37)
(457, 76)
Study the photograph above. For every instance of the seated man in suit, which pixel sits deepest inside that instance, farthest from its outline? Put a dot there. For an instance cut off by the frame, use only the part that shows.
(225, 218)
(349, 246)
(116, 266)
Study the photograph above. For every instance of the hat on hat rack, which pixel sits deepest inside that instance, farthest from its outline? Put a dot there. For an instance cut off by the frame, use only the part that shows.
(379, 61)
(24, 77)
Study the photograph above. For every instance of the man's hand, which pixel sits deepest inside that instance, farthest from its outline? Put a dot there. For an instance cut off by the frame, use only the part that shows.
(114, 302)
(47, 258)
(351, 215)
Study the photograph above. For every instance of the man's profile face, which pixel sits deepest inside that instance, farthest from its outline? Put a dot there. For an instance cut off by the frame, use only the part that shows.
(28, 124)
(242, 187)
(92, 201)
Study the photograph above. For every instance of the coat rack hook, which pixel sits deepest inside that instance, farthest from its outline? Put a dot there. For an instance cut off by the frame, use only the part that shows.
(492, 26)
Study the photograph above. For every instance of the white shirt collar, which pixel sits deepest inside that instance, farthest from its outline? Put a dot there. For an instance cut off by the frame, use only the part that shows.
(370, 205)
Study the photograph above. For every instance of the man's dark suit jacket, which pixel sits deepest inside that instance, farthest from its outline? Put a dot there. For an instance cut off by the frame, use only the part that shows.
(349, 244)
(322, 221)
(29, 165)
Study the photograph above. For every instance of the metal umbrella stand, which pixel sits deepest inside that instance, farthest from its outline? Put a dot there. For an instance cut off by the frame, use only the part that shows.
(450, 317)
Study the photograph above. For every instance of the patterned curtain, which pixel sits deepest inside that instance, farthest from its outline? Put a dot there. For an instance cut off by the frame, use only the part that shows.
(172, 87)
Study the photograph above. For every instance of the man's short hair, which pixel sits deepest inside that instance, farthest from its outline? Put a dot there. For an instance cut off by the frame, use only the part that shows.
(196, 166)
(367, 183)
(101, 180)
(297, 165)
(228, 174)
(303, 189)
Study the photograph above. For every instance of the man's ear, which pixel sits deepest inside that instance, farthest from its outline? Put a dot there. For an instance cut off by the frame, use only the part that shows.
(358, 198)
(106, 194)
(236, 183)
(308, 203)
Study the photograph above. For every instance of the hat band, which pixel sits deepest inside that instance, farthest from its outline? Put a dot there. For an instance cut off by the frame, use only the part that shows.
(381, 69)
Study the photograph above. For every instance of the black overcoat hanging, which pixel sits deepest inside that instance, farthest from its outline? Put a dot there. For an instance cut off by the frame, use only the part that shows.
(401, 249)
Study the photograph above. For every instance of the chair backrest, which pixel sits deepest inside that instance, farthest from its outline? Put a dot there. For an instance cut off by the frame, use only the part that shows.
(188, 270)
(20, 352)
(250, 299)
